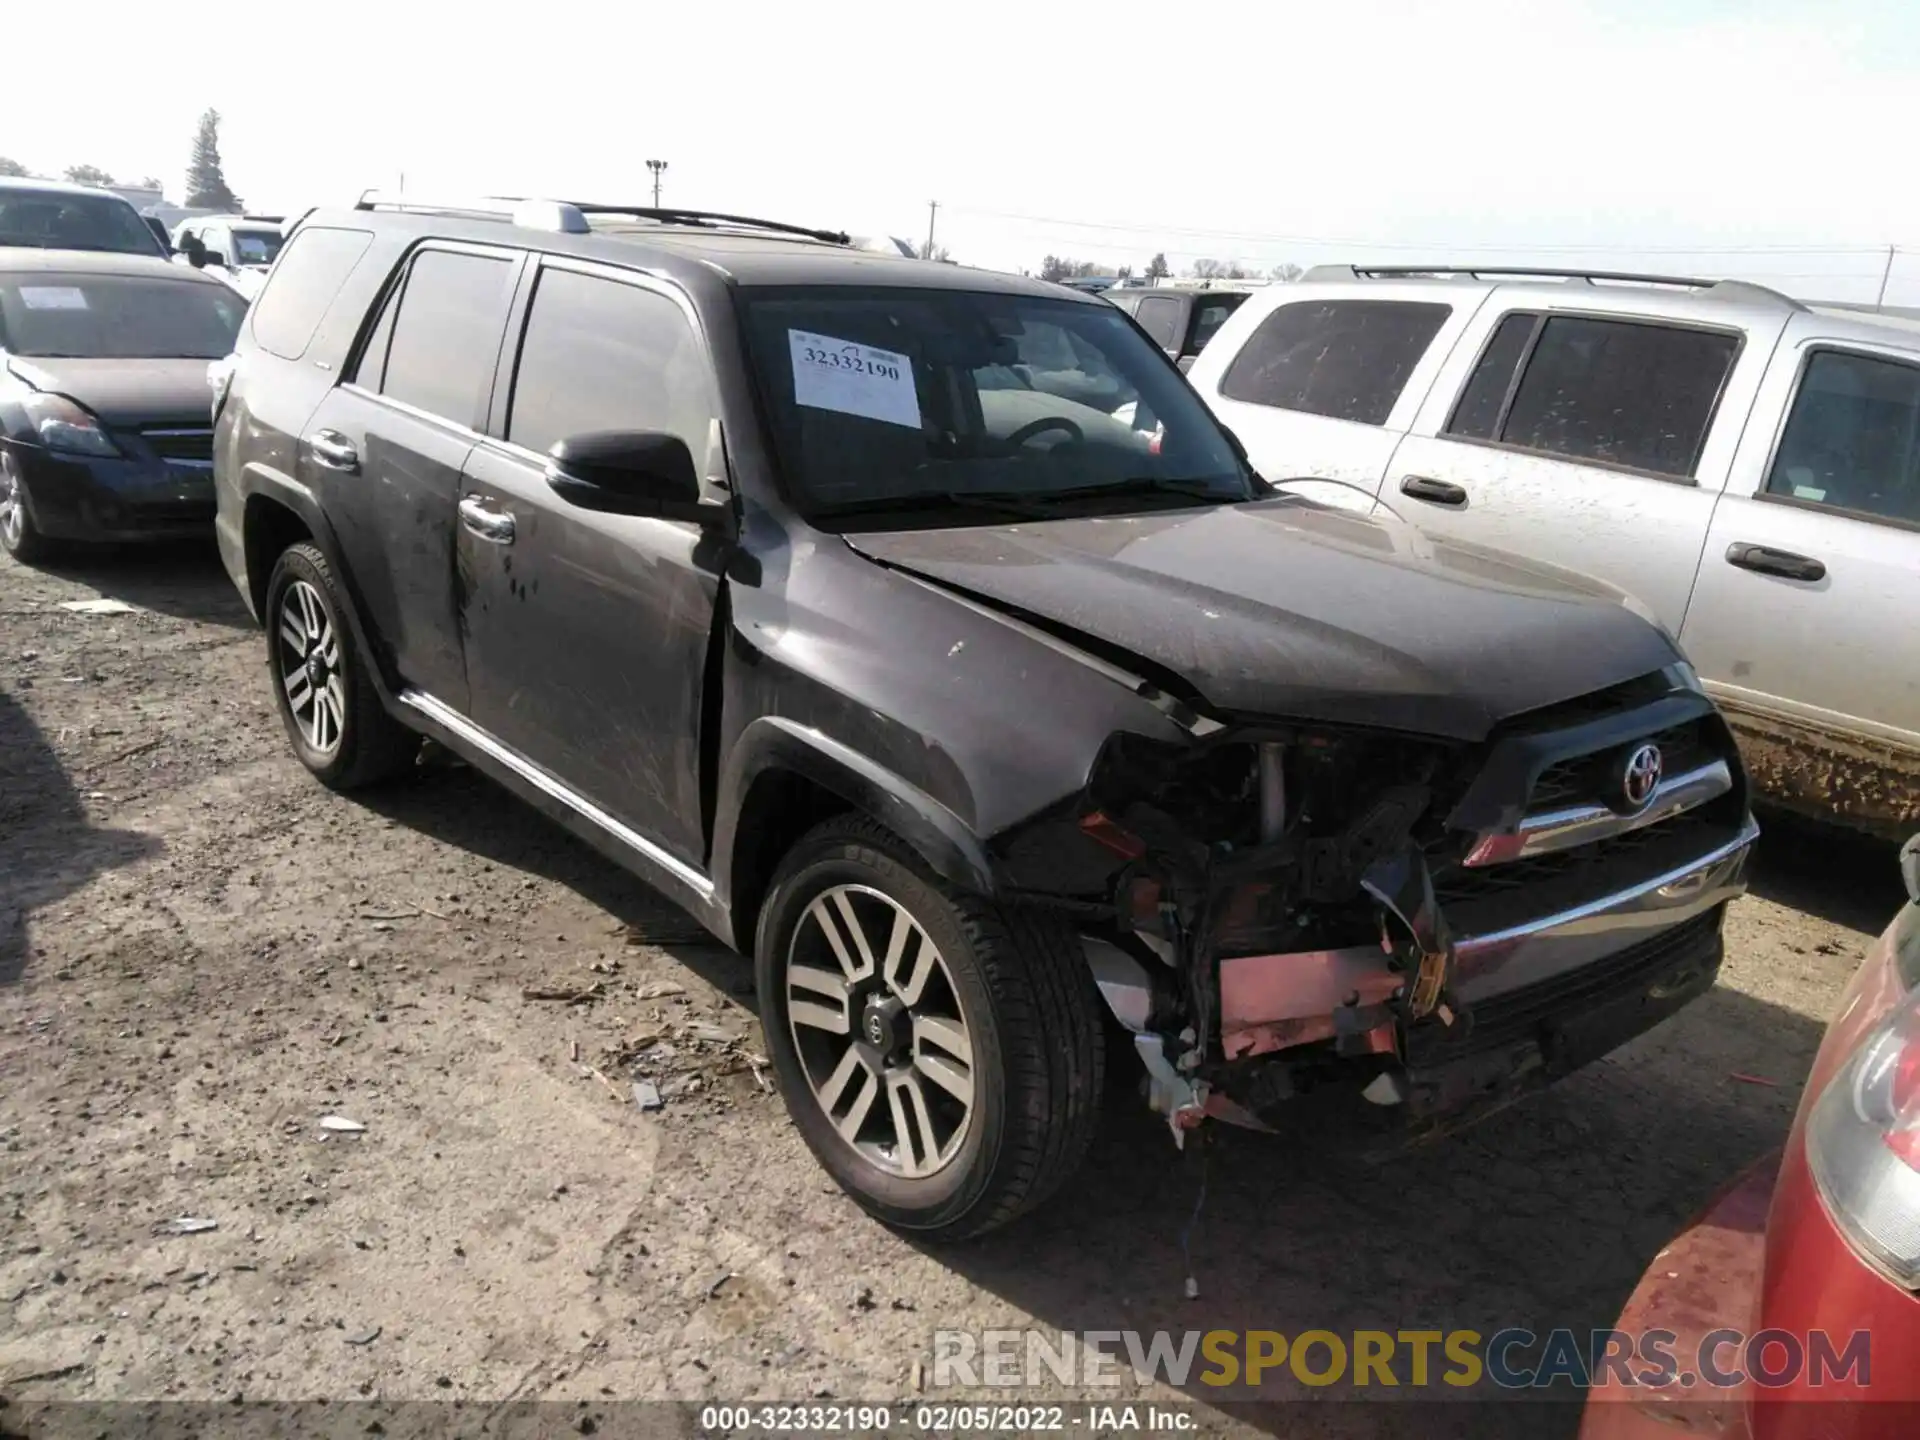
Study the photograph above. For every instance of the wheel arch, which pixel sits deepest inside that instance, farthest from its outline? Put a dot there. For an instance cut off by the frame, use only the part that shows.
(784, 778)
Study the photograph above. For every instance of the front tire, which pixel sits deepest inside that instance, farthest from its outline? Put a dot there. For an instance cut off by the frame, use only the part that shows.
(321, 686)
(19, 536)
(941, 1056)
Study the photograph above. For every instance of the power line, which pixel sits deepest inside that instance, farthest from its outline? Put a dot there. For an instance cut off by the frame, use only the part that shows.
(1332, 241)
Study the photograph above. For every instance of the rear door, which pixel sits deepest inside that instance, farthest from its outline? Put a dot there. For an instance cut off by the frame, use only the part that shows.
(1320, 386)
(1808, 604)
(1585, 440)
(385, 450)
(587, 632)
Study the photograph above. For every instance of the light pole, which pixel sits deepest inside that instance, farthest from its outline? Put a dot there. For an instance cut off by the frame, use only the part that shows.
(658, 167)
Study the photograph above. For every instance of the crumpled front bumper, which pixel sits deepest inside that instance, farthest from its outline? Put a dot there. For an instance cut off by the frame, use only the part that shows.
(1542, 998)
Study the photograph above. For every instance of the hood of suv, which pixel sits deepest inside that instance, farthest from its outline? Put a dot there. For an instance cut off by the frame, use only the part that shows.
(1283, 609)
(125, 392)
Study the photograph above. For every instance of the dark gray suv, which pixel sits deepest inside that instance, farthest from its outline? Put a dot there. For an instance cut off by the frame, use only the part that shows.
(920, 632)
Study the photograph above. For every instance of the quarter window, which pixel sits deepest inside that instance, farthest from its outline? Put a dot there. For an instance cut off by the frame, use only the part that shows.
(1348, 359)
(1208, 316)
(447, 333)
(315, 266)
(1621, 392)
(1478, 415)
(1853, 438)
(603, 355)
(1159, 316)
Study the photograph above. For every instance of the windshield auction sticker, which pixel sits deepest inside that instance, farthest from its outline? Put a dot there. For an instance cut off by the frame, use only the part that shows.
(830, 374)
(55, 297)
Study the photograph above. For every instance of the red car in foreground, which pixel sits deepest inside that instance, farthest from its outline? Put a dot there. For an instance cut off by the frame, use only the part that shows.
(1791, 1303)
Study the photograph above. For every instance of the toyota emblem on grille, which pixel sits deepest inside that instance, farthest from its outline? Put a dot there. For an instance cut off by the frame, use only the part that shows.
(1640, 776)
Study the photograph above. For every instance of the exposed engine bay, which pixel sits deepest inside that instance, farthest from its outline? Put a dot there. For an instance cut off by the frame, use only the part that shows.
(1265, 892)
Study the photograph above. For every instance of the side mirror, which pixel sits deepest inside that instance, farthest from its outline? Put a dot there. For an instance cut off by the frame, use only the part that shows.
(1910, 867)
(628, 472)
(195, 252)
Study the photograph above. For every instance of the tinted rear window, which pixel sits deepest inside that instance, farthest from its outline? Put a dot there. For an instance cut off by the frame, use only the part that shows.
(447, 334)
(117, 317)
(49, 220)
(1853, 439)
(316, 264)
(1209, 315)
(1348, 359)
(1622, 392)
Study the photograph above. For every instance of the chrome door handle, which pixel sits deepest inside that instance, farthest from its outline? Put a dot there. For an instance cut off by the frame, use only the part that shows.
(334, 450)
(493, 526)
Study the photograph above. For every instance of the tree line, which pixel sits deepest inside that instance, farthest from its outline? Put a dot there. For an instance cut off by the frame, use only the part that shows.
(206, 179)
(1065, 267)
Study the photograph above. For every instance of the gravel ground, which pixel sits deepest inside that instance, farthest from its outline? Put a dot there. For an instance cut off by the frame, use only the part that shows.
(203, 953)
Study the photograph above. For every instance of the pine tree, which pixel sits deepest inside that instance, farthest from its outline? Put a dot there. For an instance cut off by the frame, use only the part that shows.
(1157, 268)
(206, 182)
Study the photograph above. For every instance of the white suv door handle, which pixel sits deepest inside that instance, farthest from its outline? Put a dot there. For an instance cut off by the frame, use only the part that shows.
(334, 450)
(493, 526)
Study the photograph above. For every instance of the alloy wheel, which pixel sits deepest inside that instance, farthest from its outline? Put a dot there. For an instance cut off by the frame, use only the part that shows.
(880, 1030)
(307, 655)
(13, 503)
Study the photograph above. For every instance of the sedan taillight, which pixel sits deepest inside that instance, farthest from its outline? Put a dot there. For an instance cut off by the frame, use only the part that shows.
(1863, 1144)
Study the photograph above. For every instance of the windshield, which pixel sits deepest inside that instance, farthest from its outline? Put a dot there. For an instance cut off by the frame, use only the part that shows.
(256, 247)
(117, 317)
(49, 220)
(886, 398)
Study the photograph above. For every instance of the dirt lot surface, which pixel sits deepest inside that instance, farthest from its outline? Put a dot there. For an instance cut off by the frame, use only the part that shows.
(203, 953)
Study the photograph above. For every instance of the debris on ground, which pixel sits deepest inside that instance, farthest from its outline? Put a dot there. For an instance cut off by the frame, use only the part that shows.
(341, 1125)
(713, 1034)
(567, 994)
(103, 605)
(364, 1337)
(186, 1225)
(863, 1297)
(647, 1095)
(1753, 1079)
(713, 1286)
(658, 990)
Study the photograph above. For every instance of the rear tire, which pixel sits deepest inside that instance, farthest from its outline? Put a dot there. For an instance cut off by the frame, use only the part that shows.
(19, 536)
(962, 1089)
(321, 686)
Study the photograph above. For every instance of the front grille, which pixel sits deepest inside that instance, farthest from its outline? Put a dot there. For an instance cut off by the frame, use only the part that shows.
(191, 446)
(1585, 779)
(1502, 1020)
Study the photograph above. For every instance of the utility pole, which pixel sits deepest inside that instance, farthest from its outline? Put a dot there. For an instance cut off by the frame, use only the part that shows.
(658, 167)
(1880, 300)
(933, 210)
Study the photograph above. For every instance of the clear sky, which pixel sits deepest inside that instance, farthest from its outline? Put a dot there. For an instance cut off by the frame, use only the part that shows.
(1768, 139)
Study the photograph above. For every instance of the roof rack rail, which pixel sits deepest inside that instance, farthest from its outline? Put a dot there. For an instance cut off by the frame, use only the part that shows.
(569, 217)
(711, 218)
(1724, 289)
(533, 214)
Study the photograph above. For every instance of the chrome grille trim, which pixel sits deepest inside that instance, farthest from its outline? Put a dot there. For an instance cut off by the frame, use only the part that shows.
(1566, 828)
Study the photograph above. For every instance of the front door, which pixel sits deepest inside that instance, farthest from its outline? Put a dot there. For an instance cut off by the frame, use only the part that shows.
(587, 634)
(386, 448)
(1810, 584)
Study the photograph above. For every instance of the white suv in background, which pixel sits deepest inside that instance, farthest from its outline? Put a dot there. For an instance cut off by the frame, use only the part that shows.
(239, 249)
(1746, 466)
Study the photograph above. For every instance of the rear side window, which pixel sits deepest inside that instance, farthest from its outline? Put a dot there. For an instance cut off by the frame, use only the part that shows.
(1621, 392)
(315, 266)
(1853, 438)
(1159, 316)
(1483, 402)
(447, 333)
(1208, 316)
(602, 355)
(1348, 359)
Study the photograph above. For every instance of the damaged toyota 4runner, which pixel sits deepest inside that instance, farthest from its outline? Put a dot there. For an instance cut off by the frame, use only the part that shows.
(919, 631)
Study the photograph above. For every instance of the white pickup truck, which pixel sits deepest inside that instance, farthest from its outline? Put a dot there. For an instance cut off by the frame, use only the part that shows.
(1747, 467)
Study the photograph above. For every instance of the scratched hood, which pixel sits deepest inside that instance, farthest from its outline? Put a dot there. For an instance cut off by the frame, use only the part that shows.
(1286, 610)
(125, 392)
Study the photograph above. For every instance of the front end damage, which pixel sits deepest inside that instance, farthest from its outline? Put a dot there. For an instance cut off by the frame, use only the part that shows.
(1364, 931)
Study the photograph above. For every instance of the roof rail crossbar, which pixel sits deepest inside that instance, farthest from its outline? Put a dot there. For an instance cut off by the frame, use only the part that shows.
(710, 217)
(1729, 289)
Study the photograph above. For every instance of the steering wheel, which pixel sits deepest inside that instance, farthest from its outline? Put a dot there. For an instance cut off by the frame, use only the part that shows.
(1040, 427)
